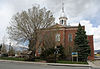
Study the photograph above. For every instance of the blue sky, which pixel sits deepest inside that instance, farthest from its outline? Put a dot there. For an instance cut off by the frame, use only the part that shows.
(94, 20)
(87, 12)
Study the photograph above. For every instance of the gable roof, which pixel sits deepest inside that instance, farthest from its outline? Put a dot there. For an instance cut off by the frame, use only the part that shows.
(57, 26)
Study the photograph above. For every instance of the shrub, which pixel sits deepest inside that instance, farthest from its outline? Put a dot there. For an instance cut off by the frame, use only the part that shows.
(4, 55)
(50, 58)
(51, 53)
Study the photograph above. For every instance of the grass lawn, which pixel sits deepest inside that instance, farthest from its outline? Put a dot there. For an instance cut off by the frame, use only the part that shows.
(70, 62)
(11, 58)
(38, 60)
(18, 59)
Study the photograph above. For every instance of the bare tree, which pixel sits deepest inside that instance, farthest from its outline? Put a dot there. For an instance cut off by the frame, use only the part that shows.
(49, 39)
(26, 26)
(48, 43)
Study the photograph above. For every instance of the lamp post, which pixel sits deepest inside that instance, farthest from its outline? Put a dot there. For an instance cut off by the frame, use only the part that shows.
(55, 53)
(9, 48)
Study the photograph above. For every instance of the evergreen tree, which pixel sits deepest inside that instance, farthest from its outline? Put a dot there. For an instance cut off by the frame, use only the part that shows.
(81, 44)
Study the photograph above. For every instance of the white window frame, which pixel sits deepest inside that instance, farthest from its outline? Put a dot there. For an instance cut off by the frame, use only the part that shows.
(70, 39)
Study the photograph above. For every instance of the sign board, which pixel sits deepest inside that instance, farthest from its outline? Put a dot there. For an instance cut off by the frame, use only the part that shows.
(74, 54)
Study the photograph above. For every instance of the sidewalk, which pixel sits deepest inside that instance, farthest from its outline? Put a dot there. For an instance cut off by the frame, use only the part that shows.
(92, 64)
(52, 64)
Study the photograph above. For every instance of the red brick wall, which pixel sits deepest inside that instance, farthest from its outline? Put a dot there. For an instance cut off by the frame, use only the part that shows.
(72, 32)
(90, 38)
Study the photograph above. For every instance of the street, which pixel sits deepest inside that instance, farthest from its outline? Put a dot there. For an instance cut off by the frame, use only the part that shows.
(12, 65)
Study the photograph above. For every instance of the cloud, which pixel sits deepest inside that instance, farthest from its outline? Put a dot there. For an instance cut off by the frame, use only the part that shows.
(20, 5)
(6, 12)
(75, 8)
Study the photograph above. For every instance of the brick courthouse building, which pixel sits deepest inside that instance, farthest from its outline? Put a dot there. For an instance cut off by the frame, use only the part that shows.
(67, 34)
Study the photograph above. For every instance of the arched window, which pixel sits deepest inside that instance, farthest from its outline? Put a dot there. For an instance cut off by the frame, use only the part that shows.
(69, 37)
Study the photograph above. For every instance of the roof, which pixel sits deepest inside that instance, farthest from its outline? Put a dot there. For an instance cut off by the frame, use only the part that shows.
(57, 26)
(62, 26)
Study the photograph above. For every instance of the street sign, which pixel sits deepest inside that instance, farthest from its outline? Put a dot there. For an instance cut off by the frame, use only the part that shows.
(74, 54)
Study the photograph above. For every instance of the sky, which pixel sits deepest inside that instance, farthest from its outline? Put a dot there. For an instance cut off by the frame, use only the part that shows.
(86, 12)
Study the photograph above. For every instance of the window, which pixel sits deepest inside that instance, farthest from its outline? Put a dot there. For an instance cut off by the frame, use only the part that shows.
(57, 37)
(62, 21)
(69, 37)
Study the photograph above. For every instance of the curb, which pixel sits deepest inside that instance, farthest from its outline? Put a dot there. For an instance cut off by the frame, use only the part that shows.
(93, 65)
(70, 65)
(51, 64)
